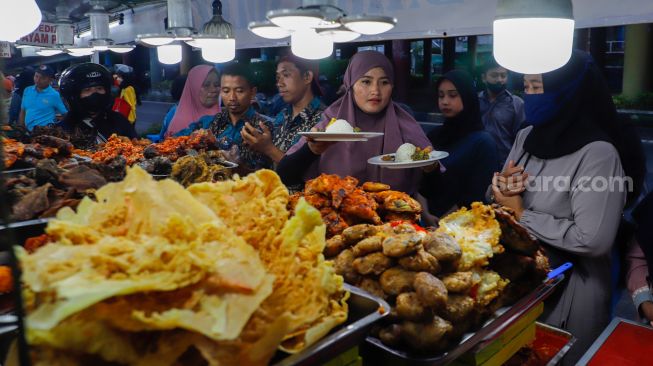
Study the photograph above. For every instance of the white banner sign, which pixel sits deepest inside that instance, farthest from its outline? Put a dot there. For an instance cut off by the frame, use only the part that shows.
(5, 50)
(45, 35)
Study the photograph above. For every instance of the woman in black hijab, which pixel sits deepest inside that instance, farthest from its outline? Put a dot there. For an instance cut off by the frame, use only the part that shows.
(578, 156)
(472, 153)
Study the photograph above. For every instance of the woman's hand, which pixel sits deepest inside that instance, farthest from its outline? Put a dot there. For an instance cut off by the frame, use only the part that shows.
(318, 147)
(431, 168)
(512, 201)
(512, 181)
(257, 140)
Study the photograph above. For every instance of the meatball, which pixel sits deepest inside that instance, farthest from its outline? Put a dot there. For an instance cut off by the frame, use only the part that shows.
(401, 245)
(367, 246)
(458, 307)
(421, 261)
(391, 335)
(334, 246)
(443, 247)
(409, 306)
(430, 289)
(374, 263)
(356, 233)
(373, 287)
(459, 282)
(344, 266)
(426, 337)
(396, 280)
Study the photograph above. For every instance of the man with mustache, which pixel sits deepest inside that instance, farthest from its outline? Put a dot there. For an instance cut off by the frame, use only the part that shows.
(237, 90)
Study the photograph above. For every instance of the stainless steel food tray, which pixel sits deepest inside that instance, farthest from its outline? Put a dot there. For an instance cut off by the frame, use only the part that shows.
(364, 311)
(504, 317)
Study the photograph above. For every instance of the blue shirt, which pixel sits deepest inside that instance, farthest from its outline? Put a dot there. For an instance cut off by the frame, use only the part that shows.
(502, 118)
(41, 106)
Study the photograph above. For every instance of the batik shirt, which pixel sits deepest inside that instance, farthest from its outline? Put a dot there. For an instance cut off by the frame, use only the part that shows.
(228, 135)
(286, 128)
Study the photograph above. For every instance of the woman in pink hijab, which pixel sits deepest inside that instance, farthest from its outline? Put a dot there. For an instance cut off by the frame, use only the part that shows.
(367, 104)
(199, 98)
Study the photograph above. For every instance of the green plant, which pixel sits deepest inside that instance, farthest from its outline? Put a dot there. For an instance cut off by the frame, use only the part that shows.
(640, 101)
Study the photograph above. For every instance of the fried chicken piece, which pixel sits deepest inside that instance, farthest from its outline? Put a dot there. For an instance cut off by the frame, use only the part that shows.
(334, 222)
(403, 228)
(398, 202)
(391, 335)
(513, 234)
(375, 263)
(430, 289)
(421, 261)
(410, 307)
(457, 308)
(356, 233)
(396, 280)
(10, 160)
(425, 337)
(459, 282)
(375, 187)
(401, 216)
(443, 247)
(373, 287)
(367, 246)
(401, 245)
(331, 185)
(511, 265)
(344, 266)
(360, 205)
(318, 201)
(542, 266)
(334, 246)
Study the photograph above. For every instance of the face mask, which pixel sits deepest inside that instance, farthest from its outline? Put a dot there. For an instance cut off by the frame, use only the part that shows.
(496, 88)
(94, 103)
(540, 108)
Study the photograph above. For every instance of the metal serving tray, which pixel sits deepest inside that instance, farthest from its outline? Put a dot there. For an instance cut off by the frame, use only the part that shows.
(364, 311)
(492, 328)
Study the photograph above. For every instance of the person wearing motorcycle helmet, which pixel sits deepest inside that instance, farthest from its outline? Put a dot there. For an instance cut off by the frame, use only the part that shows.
(86, 89)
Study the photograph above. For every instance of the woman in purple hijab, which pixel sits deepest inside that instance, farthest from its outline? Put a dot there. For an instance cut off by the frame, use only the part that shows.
(367, 104)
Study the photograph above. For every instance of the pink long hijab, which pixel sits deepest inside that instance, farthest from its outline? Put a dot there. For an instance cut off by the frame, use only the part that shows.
(398, 126)
(190, 108)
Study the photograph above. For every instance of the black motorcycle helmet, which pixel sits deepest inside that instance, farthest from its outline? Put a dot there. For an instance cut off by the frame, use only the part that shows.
(80, 76)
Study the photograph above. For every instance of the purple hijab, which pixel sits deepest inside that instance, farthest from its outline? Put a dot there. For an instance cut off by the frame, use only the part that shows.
(350, 158)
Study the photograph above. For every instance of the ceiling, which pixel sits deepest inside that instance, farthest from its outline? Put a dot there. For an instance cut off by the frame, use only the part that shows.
(78, 8)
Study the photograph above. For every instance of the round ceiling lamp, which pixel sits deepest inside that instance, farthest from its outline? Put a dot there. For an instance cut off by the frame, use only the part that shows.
(155, 39)
(80, 51)
(320, 22)
(369, 24)
(339, 35)
(21, 18)
(296, 19)
(216, 38)
(309, 45)
(267, 29)
(223, 50)
(49, 52)
(169, 54)
(533, 36)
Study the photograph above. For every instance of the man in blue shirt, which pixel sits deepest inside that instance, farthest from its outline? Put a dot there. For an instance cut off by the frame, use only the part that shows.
(501, 111)
(237, 91)
(42, 105)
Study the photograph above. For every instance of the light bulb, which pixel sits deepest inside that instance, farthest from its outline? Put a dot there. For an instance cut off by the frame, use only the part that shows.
(268, 30)
(308, 44)
(218, 50)
(533, 45)
(169, 54)
(21, 18)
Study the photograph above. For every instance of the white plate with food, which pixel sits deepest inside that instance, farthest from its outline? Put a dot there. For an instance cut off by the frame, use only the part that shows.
(340, 130)
(408, 156)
